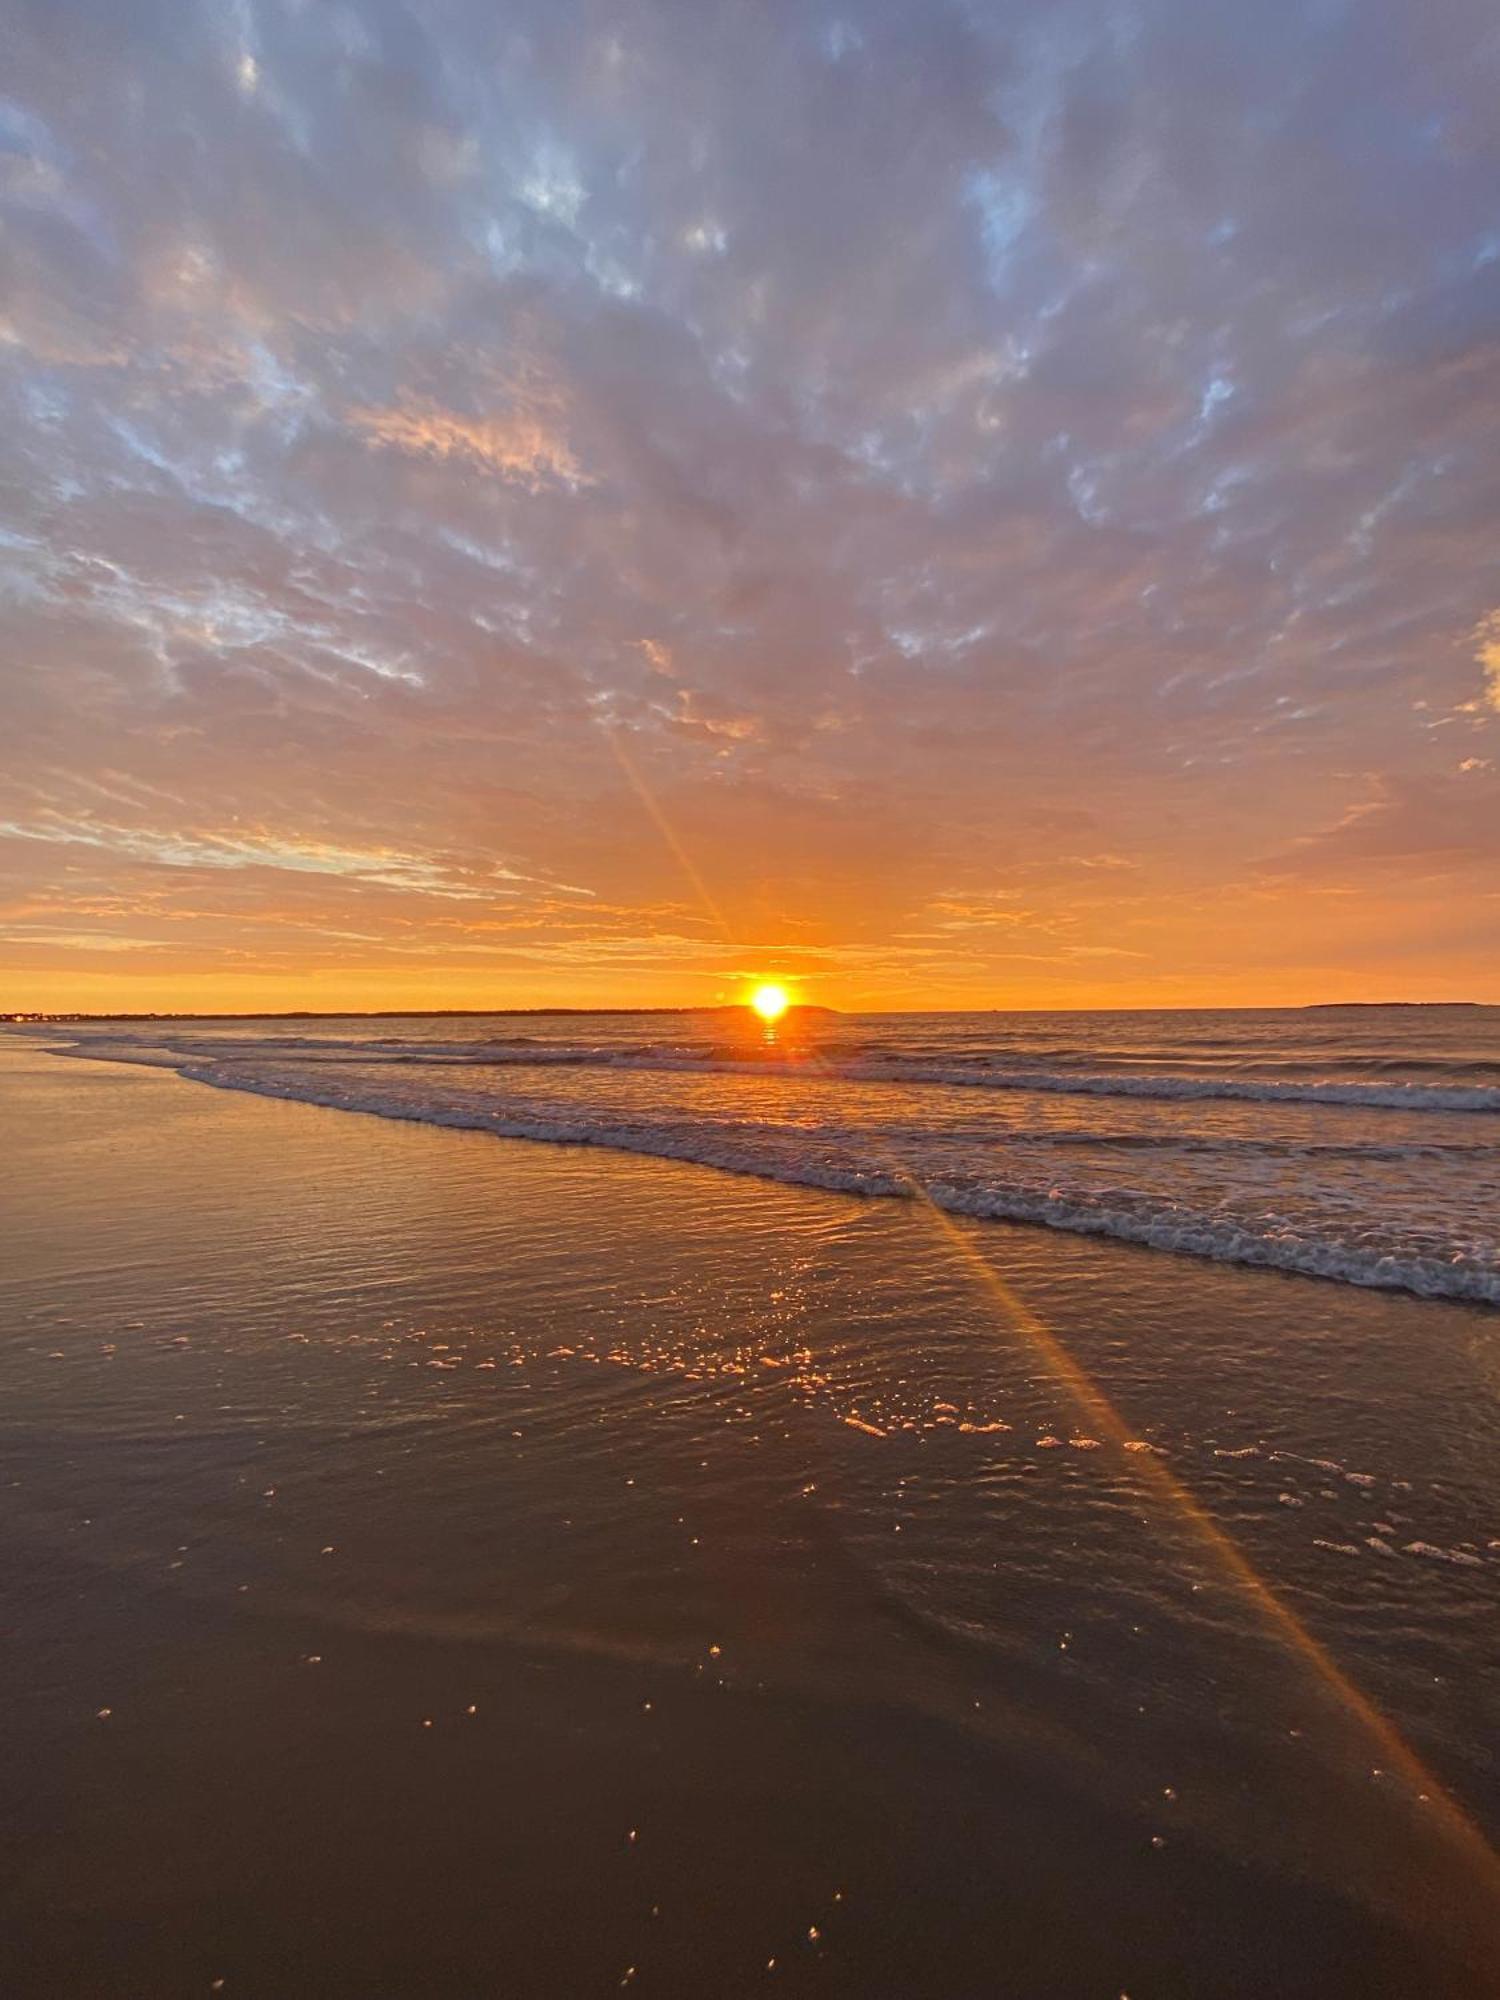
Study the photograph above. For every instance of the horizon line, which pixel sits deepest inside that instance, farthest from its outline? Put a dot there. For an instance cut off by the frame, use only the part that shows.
(41, 1017)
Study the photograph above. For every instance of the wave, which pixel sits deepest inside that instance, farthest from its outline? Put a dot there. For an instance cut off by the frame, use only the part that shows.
(789, 1154)
(1255, 1090)
(978, 1072)
(1237, 1145)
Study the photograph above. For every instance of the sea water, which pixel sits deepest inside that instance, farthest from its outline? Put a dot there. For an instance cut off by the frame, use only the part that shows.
(1360, 1144)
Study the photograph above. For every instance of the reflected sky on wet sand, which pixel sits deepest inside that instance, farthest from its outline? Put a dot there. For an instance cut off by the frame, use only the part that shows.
(445, 1565)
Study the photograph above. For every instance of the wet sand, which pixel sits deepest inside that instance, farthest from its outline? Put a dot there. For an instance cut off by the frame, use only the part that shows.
(442, 1565)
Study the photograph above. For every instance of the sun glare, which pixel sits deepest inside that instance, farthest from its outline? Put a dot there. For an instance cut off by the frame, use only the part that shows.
(770, 1002)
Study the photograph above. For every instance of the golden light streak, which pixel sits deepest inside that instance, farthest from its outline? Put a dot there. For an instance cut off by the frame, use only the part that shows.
(663, 826)
(1396, 1755)
(1463, 1834)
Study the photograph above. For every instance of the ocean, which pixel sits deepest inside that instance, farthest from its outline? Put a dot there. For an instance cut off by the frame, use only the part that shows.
(436, 1564)
(1360, 1144)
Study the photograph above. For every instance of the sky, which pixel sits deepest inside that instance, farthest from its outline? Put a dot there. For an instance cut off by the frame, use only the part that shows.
(550, 502)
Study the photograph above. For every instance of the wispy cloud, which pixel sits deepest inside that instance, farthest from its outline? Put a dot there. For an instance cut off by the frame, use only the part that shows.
(518, 445)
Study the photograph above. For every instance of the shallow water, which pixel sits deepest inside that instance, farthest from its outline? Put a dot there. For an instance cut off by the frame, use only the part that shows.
(1357, 1144)
(447, 1566)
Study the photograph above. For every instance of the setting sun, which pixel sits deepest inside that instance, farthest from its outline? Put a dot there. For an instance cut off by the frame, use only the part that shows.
(770, 1002)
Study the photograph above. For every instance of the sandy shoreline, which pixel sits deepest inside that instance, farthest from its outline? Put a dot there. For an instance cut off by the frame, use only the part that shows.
(729, 1510)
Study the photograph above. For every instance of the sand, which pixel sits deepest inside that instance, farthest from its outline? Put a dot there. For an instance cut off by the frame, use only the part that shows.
(443, 1565)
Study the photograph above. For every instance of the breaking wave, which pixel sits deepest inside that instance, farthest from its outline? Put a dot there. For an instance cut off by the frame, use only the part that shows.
(829, 1160)
(968, 1074)
(1242, 1138)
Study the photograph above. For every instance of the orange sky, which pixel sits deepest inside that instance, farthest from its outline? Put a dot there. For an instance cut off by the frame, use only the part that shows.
(927, 507)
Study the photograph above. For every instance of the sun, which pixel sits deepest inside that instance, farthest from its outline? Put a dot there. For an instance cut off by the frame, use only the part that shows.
(770, 1002)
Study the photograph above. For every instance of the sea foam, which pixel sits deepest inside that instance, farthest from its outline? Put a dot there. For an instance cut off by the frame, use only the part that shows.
(778, 1154)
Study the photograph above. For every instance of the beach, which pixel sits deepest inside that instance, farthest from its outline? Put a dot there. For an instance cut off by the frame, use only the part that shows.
(440, 1563)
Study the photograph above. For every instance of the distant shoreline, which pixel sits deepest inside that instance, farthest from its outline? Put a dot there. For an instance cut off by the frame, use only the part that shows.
(1341, 1006)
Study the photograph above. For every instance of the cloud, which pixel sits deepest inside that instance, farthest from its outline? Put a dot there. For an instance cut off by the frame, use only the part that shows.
(518, 446)
(978, 461)
(1444, 823)
(1487, 638)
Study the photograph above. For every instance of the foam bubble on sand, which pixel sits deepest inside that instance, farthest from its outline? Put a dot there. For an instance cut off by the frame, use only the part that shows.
(1444, 1555)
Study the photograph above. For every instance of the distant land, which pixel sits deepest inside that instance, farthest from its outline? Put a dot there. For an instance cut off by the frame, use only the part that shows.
(1339, 1006)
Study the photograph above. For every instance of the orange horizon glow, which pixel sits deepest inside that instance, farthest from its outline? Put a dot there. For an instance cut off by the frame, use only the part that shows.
(373, 992)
